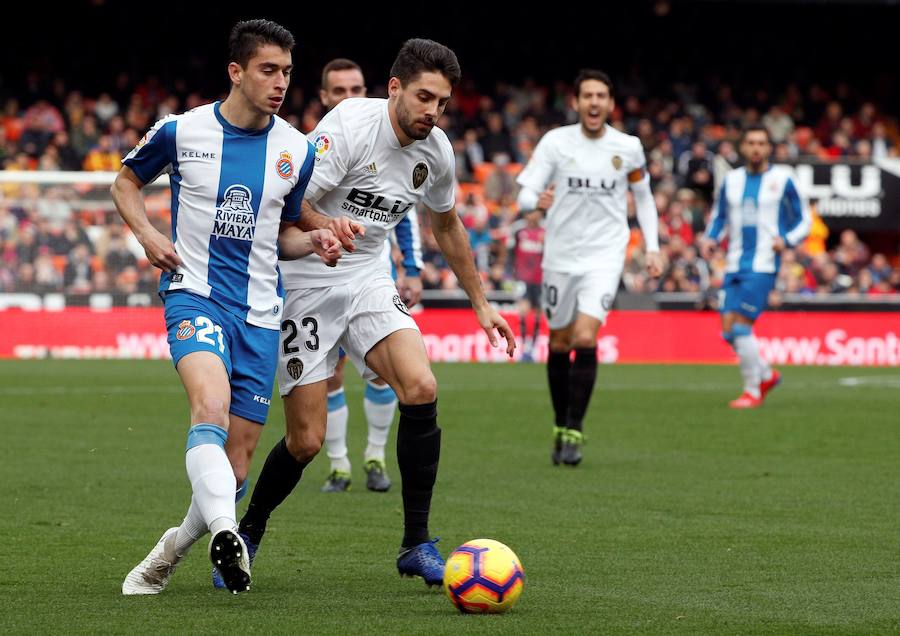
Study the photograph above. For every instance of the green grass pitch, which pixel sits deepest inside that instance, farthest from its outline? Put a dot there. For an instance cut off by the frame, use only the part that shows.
(685, 517)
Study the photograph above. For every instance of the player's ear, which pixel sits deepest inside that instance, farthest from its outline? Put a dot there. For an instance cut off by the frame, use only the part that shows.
(394, 86)
(235, 73)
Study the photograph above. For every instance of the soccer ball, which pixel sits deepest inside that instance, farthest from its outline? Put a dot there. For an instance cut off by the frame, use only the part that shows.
(483, 577)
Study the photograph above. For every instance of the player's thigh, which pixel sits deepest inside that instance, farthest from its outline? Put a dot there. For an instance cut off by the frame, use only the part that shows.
(200, 352)
(559, 298)
(306, 417)
(207, 386)
(313, 322)
(400, 360)
(596, 293)
(336, 381)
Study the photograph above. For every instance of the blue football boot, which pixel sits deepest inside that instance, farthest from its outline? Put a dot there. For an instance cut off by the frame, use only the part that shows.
(422, 560)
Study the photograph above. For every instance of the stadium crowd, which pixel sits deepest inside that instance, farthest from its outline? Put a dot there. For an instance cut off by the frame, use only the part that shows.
(63, 238)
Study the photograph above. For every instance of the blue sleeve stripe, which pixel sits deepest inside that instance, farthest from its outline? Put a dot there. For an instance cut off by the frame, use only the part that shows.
(291, 210)
(406, 242)
(149, 160)
(790, 212)
(201, 434)
(717, 224)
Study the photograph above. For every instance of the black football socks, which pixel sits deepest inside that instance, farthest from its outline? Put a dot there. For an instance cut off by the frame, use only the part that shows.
(279, 476)
(558, 365)
(582, 376)
(418, 453)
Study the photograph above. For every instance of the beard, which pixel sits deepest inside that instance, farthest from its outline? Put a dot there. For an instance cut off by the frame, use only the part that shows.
(407, 122)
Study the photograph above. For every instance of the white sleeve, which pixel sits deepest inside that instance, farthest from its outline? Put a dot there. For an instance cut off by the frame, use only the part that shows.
(540, 169)
(647, 215)
(441, 196)
(333, 155)
(528, 199)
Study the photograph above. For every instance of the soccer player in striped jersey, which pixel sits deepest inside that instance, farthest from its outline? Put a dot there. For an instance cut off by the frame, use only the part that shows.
(578, 177)
(238, 174)
(761, 212)
(343, 78)
(376, 159)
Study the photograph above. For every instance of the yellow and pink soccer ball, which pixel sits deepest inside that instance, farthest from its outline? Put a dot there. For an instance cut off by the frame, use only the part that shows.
(483, 576)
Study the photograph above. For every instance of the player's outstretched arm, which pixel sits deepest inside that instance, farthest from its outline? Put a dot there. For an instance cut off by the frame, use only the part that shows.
(294, 243)
(453, 240)
(343, 228)
(126, 194)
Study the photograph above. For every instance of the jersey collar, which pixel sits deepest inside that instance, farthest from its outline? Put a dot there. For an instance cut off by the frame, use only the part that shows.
(244, 132)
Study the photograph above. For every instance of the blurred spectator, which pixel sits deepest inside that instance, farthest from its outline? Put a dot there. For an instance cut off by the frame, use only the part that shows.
(103, 157)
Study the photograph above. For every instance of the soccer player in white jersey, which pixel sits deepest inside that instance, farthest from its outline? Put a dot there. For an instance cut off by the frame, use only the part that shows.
(578, 177)
(238, 174)
(376, 159)
(761, 212)
(343, 78)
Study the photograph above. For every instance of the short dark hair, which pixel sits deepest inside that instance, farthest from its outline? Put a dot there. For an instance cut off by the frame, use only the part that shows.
(593, 74)
(338, 64)
(756, 128)
(249, 35)
(418, 55)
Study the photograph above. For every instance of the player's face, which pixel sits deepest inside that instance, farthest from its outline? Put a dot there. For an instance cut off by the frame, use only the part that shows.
(265, 80)
(593, 104)
(756, 148)
(340, 85)
(419, 104)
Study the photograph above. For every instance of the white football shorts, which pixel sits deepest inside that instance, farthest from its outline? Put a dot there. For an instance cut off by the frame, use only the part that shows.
(564, 296)
(319, 321)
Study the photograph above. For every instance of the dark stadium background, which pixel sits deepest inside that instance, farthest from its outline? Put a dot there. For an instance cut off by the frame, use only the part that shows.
(761, 43)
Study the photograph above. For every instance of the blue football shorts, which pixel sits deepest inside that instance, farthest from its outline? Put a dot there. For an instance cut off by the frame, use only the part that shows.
(746, 293)
(250, 353)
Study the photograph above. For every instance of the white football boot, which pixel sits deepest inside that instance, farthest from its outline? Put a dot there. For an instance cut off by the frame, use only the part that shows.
(151, 575)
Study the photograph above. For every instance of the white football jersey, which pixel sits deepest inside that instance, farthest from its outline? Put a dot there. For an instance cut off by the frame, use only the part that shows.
(363, 173)
(231, 189)
(587, 225)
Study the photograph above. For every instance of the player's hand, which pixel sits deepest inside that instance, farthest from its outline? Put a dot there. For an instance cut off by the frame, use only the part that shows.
(410, 288)
(346, 231)
(545, 198)
(326, 245)
(654, 264)
(490, 320)
(707, 248)
(159, 250)
(778, 244)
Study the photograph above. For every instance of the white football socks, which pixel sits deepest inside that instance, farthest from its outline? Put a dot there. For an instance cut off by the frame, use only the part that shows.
(380, 404)
(750, 362)
(336, 431)
(213, 482)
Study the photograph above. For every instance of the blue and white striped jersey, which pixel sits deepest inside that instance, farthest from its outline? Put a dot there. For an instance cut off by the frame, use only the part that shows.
(231, 189)
(754, 209)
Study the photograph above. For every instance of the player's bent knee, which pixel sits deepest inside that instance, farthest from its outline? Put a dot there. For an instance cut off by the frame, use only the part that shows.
(303, 445)
(585, 341)
(421, 390)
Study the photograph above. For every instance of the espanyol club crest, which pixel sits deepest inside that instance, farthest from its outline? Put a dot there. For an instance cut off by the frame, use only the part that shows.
(420, 173)
(295, 368)
(185, 330)
(322, 144)
(285, 165)
(617, 162)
